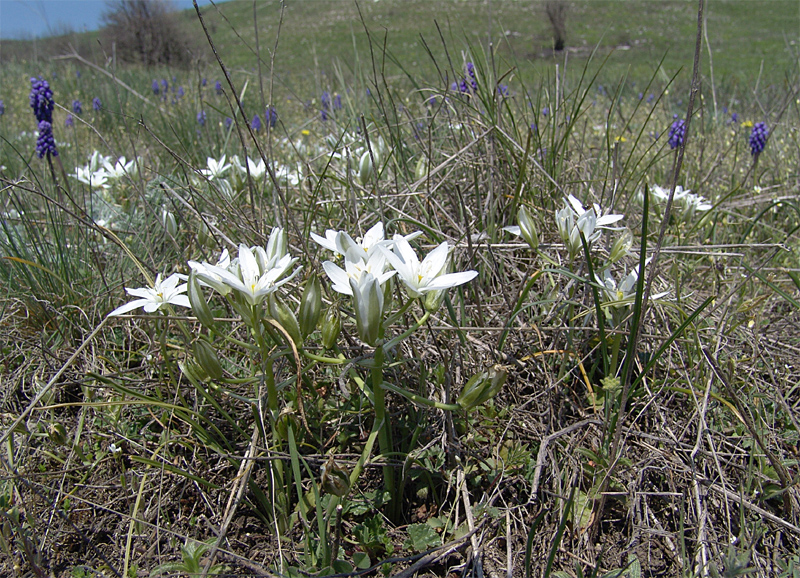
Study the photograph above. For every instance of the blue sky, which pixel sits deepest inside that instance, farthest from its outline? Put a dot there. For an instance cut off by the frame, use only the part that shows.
(37, 18)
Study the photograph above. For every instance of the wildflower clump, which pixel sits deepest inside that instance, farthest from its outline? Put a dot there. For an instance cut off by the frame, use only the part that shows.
(758, 138)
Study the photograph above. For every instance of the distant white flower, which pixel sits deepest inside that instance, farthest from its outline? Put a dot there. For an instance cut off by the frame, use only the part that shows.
(257, 170)
(97, 179)
(119, 169)
(216, 168)
(96, 161)
(428, 275)
(152, 298)
(622, 294)
(602, 221)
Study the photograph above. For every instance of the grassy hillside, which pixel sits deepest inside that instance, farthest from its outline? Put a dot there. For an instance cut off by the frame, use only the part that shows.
(747, 39)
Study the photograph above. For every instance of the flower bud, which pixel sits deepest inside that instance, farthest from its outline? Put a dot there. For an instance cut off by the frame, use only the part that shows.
(310, 306)
(331, 326)
(287, 418)
(482, 387)
(57, 434)
(364, 169)
(434, 299)
(207, 358)
(527, 228)
(277, 245)
(334, 478)
(169, 223)
(192, 371)
(200, 308)
(368, 305)
(621, 246)
(421, 170)
(284, 316)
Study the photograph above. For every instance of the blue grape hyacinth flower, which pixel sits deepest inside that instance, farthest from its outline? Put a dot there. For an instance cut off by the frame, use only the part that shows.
(46, 144)
(228, 122)
(201, 118)
(677, 132)
(255, 124)
(77, 107)
(69, 121)
(41, 100)
(2, 108)
(155, 87)
(271, 116)
(97, 104)
(758, 138)
(218, 87)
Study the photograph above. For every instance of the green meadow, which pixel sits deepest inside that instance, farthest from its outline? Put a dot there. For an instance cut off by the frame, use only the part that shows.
(394, 288)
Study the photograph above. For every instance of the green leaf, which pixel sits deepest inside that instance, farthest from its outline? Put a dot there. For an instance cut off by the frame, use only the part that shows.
(422, 537)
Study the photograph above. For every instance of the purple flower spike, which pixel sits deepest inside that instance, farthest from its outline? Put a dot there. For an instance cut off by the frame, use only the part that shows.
(77, 107)
(758, 138)
(46, 144)
(155, 87)
(97, 103)
(677, 132)
(271, 116)
(255, 124)
(201, 118)
(41, 100)
(218, 87)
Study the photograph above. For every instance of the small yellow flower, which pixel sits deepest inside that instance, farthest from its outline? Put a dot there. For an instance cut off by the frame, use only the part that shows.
(620, 139)
(305, 132)
(747, 124)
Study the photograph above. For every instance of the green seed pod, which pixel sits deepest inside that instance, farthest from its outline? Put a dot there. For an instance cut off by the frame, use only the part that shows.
(335, 479)
(331, 326)
(364, 169)
(482, 387)
(199, 305)
(284, 316)
(310, 306)
(205, 355)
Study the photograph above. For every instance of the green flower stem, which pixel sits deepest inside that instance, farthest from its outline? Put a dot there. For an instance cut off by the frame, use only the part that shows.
(384, 437)
(395, 340)
(419, 400)
(399, 313)
(322, 359)
(269, 375)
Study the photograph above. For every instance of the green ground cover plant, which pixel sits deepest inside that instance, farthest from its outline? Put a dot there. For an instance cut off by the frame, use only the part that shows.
(400, 301)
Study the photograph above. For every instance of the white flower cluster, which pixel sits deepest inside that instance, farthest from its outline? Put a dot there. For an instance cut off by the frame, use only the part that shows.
(372, 260)
(101, 171)
(232, 182)
(574, 219)
(251, 277)
(686, 203)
